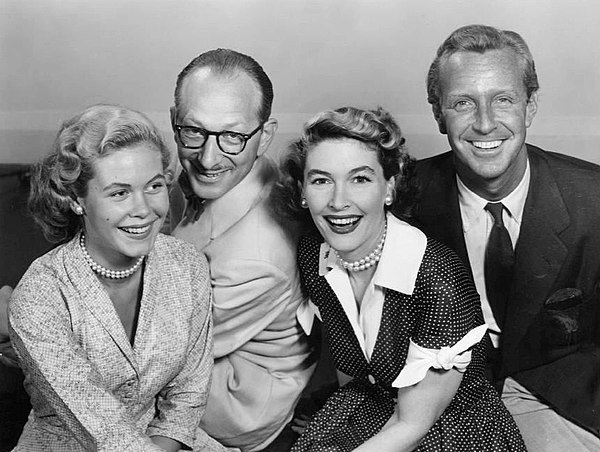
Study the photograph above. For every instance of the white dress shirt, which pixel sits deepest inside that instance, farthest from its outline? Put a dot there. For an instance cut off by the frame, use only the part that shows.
(477, 224)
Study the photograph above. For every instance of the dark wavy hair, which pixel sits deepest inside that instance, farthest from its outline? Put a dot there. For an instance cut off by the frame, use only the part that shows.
(377, 129)
(480, 39)
(63, 175)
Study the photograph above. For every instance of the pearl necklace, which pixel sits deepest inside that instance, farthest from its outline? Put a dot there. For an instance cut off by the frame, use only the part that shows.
(366, 262)
(103, 271)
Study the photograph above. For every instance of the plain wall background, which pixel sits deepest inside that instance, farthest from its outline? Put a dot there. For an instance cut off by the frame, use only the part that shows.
(58, 56)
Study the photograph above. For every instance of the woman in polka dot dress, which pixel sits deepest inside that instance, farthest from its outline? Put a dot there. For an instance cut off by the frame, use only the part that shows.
(399, 310)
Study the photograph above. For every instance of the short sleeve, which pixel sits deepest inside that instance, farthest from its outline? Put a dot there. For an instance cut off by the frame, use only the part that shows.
(421, 359)
(447, 301)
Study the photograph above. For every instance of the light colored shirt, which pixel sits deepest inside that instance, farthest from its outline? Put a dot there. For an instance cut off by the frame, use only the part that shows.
(262, 356)
(477, 224)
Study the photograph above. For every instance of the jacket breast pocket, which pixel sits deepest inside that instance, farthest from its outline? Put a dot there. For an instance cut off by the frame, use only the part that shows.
(568, 318)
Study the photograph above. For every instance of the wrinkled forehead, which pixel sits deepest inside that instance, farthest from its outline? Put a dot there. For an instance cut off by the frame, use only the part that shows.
(220, 93)
(501, 67)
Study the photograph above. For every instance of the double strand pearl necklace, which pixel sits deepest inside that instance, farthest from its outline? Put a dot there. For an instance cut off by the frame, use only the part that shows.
(103, 271)
(366, 262)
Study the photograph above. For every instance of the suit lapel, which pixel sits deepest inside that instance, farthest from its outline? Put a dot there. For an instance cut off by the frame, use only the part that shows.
(539, 252)
(440, 211)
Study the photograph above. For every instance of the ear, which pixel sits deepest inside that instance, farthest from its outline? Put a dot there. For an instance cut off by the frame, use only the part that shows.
(439, 118)
(531, 108)
(77, 206)
(173, 113)
(268, 132)
(300, 188)
(391, 187)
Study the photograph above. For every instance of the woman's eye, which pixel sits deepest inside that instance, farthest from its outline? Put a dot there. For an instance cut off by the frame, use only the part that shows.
(319, 181)
(118, 194)
(362, 179)
(156, 187)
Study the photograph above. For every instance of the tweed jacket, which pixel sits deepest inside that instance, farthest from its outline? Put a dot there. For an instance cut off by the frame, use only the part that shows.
(550, 341)
(90, 388)
(262, 356)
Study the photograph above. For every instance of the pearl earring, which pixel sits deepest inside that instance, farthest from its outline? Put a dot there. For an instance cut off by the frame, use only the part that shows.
(304, 204)
(78, 210)
(388, 200)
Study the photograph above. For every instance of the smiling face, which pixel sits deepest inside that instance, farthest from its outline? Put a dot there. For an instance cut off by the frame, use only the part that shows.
(485, 113)
(125, 205)
(345, 190)
(217, 103)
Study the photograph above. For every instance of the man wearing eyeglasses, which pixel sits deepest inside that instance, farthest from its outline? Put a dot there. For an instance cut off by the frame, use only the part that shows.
(222, 126)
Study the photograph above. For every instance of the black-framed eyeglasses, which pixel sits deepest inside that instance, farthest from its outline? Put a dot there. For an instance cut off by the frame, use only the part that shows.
(228, 141)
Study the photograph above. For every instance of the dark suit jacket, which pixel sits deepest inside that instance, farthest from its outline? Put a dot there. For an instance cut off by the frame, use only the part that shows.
(554, 353)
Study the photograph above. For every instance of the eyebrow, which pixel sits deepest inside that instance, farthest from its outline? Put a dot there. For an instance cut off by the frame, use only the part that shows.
(124, 185)
(229, 126)
(460, 94)
(352, 171)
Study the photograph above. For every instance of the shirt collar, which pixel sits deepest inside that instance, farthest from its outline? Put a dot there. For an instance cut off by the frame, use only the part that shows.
(472, 205)
(400, 261)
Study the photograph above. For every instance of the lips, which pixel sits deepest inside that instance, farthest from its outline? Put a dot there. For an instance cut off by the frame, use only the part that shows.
(210, 175)
(343, 225)
(136, 230)
(487, 144)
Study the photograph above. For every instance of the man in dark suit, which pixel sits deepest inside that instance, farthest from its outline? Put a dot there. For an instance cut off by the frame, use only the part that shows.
(526, 222)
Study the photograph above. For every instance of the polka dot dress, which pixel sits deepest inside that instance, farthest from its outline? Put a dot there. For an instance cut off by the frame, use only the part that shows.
(442, 309)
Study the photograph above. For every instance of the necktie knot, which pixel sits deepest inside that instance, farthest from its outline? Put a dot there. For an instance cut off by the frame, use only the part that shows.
(496, 209)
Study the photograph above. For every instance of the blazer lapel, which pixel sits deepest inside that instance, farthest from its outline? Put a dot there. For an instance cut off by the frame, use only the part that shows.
(439, 209)
(97, 301)
(539, 252)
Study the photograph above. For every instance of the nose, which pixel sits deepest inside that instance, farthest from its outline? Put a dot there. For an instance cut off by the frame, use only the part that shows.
(210, 154)
(339, 198)
(141, 206)
(485, 119)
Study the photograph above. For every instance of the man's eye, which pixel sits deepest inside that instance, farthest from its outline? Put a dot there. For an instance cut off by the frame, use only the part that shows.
(192, 132)
(462, 105)
(232, 138)
(504, 101)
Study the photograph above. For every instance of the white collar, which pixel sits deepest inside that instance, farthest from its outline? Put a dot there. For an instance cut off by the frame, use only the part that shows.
(400, 259)
(228, 209)
(472, 205)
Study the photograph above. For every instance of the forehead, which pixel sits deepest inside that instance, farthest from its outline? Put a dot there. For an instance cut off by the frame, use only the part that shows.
(463, 72)
(128, 164)
(219, 98)
(341, 156)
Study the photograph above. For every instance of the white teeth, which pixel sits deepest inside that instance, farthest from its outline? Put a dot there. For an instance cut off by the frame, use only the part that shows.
(487, 144)
(137, 230)
(343, 221)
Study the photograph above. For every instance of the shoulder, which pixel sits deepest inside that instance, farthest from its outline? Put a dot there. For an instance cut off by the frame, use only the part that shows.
(436, 166)
(308, 248)
(259, 236)
(441, 267)
(564, 167)
(178, 255)
(434, 176)
(42, 281)
(578, 181)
